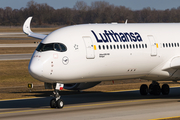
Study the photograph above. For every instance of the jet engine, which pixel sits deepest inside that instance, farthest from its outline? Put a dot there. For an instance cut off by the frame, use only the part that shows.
(74, 86)
(80, 86)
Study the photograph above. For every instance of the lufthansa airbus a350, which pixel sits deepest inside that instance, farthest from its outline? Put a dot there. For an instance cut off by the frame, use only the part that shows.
(81, 56)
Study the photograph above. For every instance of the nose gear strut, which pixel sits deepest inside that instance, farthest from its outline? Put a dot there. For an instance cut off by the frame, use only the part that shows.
(57, 102)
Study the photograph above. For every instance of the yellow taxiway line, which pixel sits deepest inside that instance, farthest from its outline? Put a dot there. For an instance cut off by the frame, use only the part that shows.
(166, 118)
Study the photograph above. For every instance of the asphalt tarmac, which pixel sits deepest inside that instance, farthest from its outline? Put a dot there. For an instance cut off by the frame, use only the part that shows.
(126, 105)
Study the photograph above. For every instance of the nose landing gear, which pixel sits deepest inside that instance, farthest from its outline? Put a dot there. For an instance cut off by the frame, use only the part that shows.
(57, 102)
(154, 89)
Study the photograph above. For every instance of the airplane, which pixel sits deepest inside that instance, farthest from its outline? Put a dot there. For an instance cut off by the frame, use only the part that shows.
(81, 56)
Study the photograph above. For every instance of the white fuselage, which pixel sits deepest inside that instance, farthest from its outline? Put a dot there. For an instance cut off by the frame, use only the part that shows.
(97, 52)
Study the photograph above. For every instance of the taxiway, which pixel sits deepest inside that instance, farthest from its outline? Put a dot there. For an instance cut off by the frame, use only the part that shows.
(126, 105)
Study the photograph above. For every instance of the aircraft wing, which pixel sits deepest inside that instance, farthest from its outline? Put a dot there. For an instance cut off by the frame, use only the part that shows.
(27, 30)
(173, 63)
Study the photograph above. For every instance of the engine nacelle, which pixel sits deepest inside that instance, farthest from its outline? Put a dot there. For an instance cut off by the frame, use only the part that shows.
(74, 86)
(80, 86)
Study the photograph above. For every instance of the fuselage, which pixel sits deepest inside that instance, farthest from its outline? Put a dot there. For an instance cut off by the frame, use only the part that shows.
(97, 52)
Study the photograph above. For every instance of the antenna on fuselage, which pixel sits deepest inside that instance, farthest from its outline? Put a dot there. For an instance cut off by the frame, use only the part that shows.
(126, 21)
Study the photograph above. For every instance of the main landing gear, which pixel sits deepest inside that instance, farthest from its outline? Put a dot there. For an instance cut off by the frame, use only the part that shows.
(154, 89)
(57, 102)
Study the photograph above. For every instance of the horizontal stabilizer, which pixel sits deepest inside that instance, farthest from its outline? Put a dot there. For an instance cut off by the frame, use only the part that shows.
(27, 30)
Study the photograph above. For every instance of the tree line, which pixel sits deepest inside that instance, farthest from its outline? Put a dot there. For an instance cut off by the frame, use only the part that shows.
(81, 13)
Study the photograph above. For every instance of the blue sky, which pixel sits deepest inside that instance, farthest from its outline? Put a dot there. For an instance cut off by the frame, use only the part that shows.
(132, 4)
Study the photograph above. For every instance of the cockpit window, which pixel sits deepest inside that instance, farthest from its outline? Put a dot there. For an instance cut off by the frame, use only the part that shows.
(56, 47)
(51, 46)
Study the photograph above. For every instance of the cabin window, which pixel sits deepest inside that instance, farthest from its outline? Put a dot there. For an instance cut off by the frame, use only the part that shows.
(136, 46)
(103, 47)
(51, 46)
(130, 46)
(178, 44)
(121, 46)
(166, 45)
(117, 46)
(124, 46)
(111, 46)
(99, 47)
(133, 46)
(142, 45)
(175, 44)
(163, 45)
(146, 45)
(114, 47)
(169, 45)
(107, 46)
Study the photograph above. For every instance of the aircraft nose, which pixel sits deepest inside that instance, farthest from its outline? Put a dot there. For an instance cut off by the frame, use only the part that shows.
(36, 68)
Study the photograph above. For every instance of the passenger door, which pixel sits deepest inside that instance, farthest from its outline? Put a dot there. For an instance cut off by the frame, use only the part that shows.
(153, 45)
(89, 48)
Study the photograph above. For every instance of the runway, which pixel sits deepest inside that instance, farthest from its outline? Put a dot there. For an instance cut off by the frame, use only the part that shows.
(17, 34)
(15, 56)
(125, 105)
(19, 45)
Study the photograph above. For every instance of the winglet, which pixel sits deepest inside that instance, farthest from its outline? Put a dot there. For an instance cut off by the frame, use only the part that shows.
(27, 30)
(26, 26)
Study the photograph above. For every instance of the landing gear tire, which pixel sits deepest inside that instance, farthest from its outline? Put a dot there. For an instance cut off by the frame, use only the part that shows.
(53, 103)
(151, 89)
(156, 90)
(144, 89)
(60, 103)
(165, 89)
